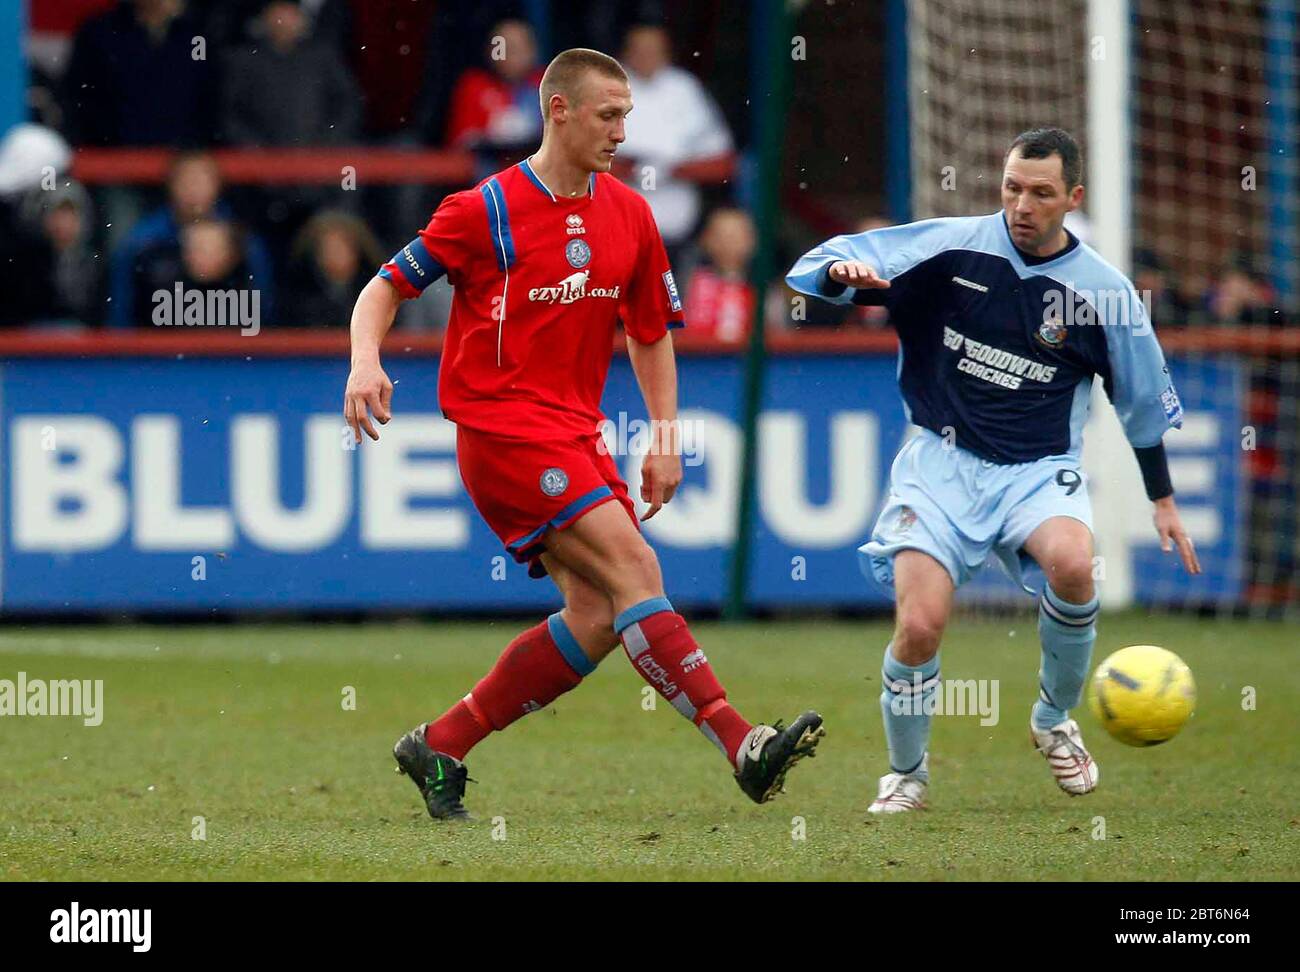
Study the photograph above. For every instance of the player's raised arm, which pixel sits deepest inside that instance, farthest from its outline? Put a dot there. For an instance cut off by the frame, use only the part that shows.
(838, 268)
(880, 266)
(1142, 391)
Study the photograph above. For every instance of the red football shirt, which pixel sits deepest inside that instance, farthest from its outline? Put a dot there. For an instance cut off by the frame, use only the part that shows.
(540, 285)
(720, 306)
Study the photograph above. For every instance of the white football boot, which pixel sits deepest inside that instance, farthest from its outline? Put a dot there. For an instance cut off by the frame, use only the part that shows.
(900, 792)
(1071, 763)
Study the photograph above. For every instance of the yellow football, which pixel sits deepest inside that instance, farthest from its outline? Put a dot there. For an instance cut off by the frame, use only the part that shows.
(1142, 695)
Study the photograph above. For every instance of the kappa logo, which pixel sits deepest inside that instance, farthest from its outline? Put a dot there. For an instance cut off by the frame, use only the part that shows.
(410, 258)
(574, 222)
(694, 660)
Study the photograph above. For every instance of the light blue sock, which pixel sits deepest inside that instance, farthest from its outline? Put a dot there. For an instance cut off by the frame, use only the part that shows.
(1068, 632)
(904, 691)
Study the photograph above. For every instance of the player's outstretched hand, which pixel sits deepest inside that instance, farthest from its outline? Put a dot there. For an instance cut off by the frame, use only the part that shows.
(368, 388)
(661, 474)
(1169, 526)
(855, 273)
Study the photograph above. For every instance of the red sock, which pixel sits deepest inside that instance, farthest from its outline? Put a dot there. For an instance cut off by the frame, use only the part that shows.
(532, 672)
(663, 651)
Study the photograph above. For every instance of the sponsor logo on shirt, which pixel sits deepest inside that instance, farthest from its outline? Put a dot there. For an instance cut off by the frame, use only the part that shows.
(674, 299)
(571, 288)
(574, 222)
(1173, 407)
(994, 365)
(971, 284)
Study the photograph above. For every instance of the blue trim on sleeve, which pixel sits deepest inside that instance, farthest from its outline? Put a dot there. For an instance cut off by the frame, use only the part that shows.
(568, 645)
(673, 325)
(639, 612)
(499, 223)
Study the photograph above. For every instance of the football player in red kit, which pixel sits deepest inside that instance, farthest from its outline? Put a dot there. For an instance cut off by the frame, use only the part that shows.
(545, 258)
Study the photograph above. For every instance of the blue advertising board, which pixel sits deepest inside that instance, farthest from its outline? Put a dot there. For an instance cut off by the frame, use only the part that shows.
(228, 484)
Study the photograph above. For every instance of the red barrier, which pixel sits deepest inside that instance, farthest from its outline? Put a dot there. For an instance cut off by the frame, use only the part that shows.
(314, 166)
(222, 342)
(325, 166)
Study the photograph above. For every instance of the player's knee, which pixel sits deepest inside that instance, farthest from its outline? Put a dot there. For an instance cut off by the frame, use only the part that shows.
(592, 612)
(637, 567)
(1069, 571)
(917, 632)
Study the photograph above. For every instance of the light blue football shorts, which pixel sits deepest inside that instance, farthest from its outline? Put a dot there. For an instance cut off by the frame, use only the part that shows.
(959, 508)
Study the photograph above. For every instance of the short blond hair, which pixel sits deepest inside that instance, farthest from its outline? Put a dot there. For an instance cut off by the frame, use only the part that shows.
(564, 75)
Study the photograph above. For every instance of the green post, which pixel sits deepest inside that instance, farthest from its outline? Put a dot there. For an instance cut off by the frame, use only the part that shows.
(772, 55)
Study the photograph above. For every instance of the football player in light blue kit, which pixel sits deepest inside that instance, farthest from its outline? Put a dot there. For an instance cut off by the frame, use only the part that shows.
(1004, 321)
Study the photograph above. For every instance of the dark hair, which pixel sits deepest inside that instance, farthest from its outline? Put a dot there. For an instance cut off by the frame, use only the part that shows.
(567, 69)
(1043, 143)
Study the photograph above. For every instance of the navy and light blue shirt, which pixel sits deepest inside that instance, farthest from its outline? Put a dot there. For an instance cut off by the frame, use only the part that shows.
(1000, 347)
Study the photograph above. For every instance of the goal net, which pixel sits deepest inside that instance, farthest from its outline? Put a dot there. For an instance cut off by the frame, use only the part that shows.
(1212, 221)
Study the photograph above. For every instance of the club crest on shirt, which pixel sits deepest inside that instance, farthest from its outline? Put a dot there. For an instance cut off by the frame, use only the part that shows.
(906, 517)
(578, 253)
(554, 481)
(1051, 333)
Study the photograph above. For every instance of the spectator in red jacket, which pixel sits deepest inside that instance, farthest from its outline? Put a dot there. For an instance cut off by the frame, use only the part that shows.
(498, 108)
(719, 297)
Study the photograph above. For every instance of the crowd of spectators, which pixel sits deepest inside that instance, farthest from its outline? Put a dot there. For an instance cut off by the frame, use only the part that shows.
(197, 75)
(194, 77)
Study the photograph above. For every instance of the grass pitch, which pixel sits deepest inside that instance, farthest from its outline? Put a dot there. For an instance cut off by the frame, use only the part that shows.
(245, 728)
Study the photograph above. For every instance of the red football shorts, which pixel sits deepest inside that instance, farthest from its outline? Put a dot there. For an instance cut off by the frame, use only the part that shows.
(521, 486)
